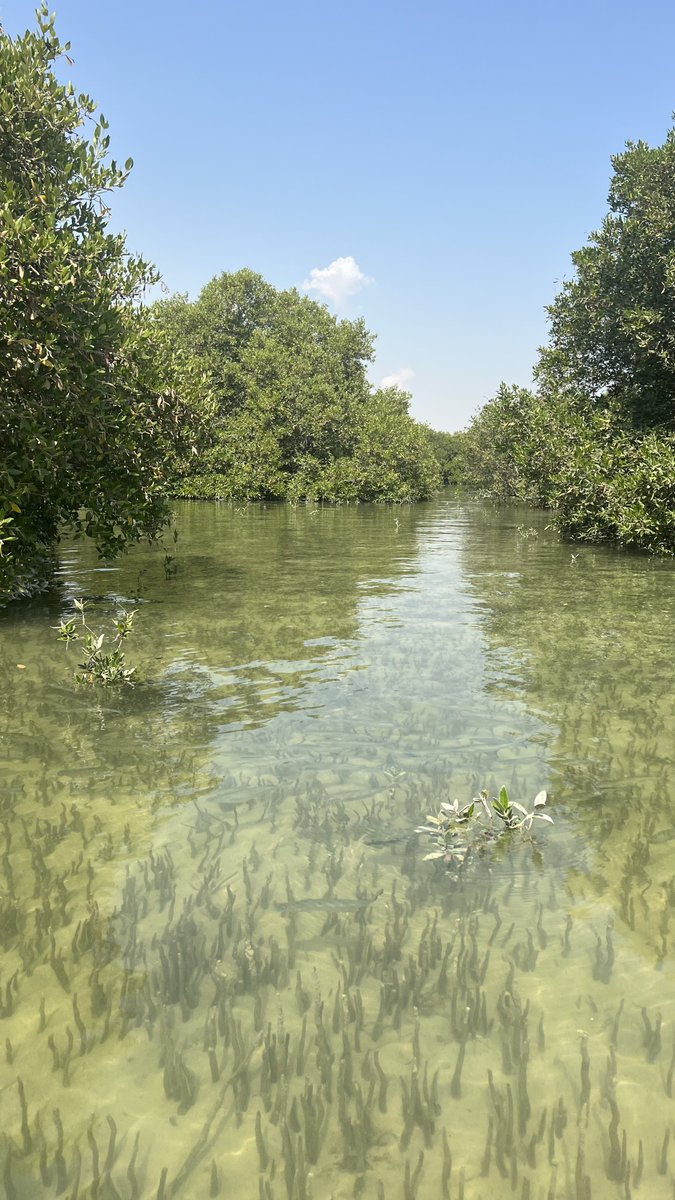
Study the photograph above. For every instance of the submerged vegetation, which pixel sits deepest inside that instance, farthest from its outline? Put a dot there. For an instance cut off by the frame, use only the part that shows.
(226, 969)
(304, 1016)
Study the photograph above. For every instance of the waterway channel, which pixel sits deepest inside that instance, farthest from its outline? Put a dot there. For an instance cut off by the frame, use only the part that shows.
(226, 967)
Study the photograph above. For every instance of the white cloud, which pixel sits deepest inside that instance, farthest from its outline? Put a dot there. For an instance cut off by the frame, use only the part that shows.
(399, 379)
(338, 281)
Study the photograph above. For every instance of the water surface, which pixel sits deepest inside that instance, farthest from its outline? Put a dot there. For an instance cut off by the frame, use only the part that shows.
(225, 964)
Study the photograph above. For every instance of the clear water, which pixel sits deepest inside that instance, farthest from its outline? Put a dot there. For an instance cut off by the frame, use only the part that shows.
(225, 967)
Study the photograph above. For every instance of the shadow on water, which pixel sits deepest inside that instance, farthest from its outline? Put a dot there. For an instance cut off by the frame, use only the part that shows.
(226, 968)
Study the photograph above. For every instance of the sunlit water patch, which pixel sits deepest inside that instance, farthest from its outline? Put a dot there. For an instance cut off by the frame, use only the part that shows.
(226, 968)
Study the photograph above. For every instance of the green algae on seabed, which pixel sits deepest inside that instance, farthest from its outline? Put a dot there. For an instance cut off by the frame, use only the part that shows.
(240, 992)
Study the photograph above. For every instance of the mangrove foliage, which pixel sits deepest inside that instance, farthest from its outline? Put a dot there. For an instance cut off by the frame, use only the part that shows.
(85, 415)
(285, 409)
(595, 440)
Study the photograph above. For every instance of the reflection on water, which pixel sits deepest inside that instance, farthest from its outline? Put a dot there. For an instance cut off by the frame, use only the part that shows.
(592, 633)
(225, 964)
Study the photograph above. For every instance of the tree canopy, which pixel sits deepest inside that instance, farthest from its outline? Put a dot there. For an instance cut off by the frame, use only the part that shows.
(612, 338)
(84, 416)
(286, 409)
(596, 440)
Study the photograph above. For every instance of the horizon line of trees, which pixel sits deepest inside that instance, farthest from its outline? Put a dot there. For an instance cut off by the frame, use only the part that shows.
(110, 407)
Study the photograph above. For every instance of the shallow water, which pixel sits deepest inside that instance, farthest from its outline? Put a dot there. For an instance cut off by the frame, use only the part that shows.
(225, 967)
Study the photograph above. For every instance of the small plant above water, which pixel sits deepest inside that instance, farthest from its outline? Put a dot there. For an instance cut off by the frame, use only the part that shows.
(459, 831)
(104, 658)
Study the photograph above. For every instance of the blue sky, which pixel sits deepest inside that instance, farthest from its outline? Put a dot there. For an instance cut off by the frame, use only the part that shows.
(456, 153)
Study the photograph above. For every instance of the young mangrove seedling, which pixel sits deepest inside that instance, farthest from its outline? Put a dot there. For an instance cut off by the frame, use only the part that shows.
(459, 830)
(101, 665)
(514, 815)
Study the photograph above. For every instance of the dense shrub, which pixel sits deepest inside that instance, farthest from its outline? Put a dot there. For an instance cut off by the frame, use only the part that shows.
(604, 481)
(449, 450)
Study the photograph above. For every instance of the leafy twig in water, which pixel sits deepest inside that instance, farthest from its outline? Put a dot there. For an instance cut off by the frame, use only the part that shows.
(100, 665)
(458, 830)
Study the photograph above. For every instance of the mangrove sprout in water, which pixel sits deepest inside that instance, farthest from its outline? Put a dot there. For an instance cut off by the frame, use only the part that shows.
(458, 832)
(101, 664)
